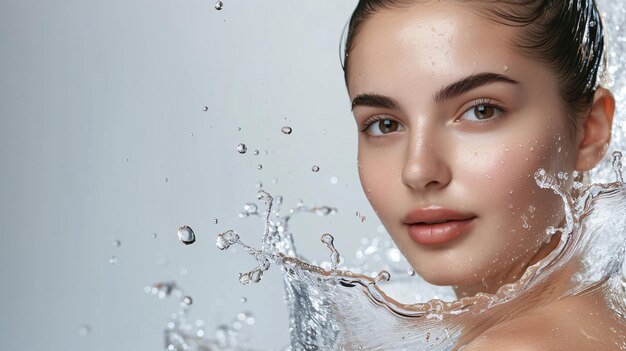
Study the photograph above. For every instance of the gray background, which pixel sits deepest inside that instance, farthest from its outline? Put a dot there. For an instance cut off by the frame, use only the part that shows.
(100, 102)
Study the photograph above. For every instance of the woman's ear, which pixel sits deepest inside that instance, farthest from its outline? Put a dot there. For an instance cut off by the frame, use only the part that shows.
(596, 130)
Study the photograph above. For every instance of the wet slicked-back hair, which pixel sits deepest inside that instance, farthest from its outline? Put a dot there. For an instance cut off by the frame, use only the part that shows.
(567, 35)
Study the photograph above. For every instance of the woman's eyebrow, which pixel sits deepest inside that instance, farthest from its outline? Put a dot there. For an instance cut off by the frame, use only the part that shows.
(468, 83)
(374, 100)
(450, 91)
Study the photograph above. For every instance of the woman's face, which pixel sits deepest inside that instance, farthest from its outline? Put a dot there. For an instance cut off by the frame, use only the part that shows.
(454, 122)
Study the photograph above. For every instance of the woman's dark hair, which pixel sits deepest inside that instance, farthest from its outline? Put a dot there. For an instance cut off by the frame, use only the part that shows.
(567, 35)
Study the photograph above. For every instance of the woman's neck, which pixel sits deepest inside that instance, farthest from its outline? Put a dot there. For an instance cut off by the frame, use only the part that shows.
(491, 285)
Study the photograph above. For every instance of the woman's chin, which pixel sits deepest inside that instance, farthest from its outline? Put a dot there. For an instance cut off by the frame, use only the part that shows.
(454, 279)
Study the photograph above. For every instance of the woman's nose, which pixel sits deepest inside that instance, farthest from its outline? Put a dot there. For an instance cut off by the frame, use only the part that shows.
(426, 167)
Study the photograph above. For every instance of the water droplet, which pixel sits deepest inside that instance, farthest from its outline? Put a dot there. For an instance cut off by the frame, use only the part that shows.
(250, 320)
(315, 168)
(117, 243)
(154, 235)
(113, 260)
(275, 181)
(286, 130)
(205, 108)
(259, 167)
(382, 276)
(215, 221)
(544, 180)
(592, 24)
(256, 152)
(506, 68)
(244, 278)
(411, 272)
(256, 275)
(239, 129)
(84, 329)
(161, 290)
(244, 299)
(242, 148)
(226, 239)
(334, 180)
(328, 239)
(167, 179)
(258, 185)
(251, 208)
(186, 235)
(219, 5)
(187, 300)
(324, 211)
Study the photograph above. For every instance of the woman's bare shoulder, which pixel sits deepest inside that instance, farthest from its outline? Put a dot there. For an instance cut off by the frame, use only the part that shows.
(568, 325)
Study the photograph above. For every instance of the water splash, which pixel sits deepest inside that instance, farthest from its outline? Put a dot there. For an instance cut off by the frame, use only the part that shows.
(181, 334)
(349, 309)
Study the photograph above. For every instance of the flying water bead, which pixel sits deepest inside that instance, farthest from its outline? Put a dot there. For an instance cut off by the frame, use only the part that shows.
(315, 168)
(226, 239)
(186, 235)
(259, 167)
(219, 5)
(117, 243)
(242, 148)
(205, 108)
(286, 130)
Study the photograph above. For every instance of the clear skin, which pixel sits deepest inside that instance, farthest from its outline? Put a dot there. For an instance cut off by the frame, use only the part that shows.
(475, 153)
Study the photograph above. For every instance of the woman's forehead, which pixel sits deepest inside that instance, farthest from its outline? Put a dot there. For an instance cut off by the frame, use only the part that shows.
(428, 43)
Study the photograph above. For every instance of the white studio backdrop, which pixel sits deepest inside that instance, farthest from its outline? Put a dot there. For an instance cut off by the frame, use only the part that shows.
(103, 137)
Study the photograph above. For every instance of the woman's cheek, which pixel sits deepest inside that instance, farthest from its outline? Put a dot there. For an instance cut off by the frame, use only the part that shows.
(380, 176)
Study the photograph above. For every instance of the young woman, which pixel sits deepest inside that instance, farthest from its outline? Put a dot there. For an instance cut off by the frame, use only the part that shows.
(458, 104)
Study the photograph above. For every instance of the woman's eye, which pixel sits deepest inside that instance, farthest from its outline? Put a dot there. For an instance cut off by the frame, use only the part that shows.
(383, 126)
(481, 112)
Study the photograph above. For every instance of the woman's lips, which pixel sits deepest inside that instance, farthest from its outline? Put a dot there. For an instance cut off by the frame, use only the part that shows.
(437, 225)
(439, 233)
